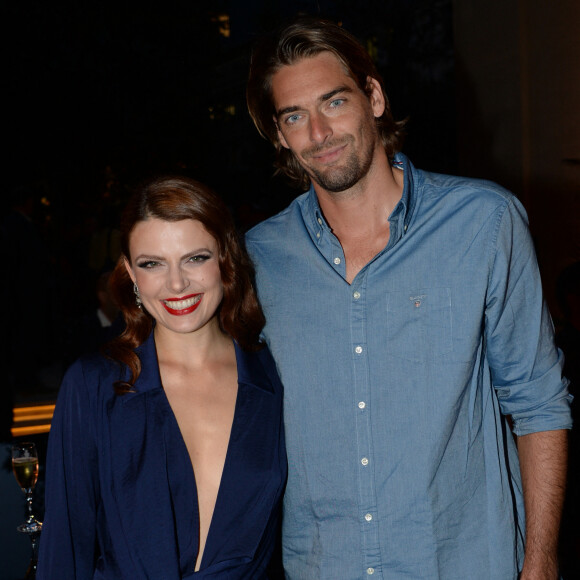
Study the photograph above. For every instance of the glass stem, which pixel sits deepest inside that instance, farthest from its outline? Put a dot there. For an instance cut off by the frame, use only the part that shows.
(31, 572)
(29, 503)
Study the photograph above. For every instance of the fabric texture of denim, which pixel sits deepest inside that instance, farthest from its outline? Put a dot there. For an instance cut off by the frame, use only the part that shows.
(397, 386)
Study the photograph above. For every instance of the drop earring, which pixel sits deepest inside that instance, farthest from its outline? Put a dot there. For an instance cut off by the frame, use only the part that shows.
(138, 301)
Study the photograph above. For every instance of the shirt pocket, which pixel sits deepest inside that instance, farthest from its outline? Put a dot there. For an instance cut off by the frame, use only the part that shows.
(419, 324)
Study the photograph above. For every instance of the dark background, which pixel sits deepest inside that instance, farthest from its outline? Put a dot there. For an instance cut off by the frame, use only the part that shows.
(98, 92)
(100, 95)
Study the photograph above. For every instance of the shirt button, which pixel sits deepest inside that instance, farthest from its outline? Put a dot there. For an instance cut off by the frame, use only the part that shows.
(356, 295)
(364, 461)
(362, 405)
(358, 349)
(319, 220)
(317, 234)
(369, 517)
(370, 571)
(337, 261)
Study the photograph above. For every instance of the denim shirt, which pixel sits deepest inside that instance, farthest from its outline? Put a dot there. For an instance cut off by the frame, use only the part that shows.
(398, 385)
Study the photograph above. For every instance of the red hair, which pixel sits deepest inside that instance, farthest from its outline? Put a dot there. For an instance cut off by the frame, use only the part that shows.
(174, 199)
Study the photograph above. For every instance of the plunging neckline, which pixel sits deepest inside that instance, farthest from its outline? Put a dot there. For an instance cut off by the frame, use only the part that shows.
(176, 479)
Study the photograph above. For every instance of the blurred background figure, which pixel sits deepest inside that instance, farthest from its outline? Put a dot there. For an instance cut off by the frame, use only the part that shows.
(97, 326)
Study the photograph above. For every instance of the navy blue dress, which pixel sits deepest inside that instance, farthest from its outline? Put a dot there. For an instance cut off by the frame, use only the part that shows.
(121, 499)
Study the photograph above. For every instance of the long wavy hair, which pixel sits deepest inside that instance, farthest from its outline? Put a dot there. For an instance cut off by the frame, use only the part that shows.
(173, 199)
(307, 37)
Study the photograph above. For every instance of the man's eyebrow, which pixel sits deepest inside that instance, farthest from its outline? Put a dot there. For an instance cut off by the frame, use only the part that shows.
(321, 99)
(335, 92)
(286, 110)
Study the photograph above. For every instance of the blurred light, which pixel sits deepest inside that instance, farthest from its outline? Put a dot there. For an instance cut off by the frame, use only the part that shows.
(32, 419)
(223, 22)
(372, 48)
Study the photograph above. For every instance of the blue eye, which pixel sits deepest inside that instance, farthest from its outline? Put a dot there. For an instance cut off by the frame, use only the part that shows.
(336, 102)
(292, 119)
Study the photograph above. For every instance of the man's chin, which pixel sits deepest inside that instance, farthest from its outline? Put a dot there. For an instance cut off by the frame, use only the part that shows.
(335, 184)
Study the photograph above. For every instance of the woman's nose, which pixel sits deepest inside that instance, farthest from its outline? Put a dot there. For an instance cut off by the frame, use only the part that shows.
(177, 282)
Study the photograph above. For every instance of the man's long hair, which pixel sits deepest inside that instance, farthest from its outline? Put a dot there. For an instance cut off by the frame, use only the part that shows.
(304, 38)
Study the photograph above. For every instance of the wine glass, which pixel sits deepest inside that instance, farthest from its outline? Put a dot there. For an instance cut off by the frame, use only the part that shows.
(25, 467)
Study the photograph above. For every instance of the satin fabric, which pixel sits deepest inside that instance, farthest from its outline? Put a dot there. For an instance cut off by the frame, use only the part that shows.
(121, 500)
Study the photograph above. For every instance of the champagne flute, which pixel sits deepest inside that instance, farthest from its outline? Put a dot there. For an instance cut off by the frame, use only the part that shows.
(25, 467)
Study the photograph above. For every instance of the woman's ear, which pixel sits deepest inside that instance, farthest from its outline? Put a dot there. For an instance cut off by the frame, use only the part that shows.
(129, 269)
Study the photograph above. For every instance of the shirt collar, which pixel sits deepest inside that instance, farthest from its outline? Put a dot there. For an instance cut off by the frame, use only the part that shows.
(403, 213)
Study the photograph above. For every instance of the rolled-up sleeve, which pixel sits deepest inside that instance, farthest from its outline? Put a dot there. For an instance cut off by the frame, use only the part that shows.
(525, 364)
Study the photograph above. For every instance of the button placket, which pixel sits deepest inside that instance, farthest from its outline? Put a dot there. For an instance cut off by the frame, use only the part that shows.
(362, 393)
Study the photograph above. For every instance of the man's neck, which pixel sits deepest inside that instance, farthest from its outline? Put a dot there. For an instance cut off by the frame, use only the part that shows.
(359, 217)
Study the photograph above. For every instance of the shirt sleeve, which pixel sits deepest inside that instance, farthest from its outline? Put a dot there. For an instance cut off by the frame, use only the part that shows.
(68, 539)
(525, 364)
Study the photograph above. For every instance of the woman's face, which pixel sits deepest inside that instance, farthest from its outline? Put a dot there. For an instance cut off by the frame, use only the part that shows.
(175, 266)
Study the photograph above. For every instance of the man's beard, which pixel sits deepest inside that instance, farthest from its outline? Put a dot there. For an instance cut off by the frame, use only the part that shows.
(338, 179)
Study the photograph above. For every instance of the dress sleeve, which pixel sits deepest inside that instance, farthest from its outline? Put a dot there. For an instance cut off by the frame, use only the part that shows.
(525, 364)
(68, 540)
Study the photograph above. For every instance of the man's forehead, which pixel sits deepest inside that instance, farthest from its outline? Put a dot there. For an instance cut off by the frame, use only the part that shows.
(308, 78)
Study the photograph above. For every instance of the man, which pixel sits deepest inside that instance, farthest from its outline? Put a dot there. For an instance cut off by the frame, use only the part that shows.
(405, 313)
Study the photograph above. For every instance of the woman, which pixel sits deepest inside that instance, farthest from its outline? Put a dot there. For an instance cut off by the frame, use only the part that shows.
(166, 457)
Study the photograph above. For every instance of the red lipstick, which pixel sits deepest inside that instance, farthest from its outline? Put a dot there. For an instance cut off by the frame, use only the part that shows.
(186, 305)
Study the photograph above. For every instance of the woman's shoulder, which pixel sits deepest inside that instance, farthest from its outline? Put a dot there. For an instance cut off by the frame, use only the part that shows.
(259, 367)
(92, 370)
(95, 362)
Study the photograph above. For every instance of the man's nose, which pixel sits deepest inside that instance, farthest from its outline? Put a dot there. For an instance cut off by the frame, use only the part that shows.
(320, 129)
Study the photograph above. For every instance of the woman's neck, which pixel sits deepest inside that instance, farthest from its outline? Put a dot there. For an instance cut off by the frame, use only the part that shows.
(192, 349)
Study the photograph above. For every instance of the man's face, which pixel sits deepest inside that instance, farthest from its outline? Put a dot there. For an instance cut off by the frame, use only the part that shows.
(327, 121)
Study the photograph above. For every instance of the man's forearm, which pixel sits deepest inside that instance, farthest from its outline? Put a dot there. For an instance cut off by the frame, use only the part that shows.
(543, 462)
